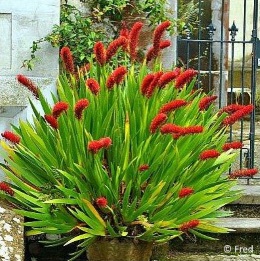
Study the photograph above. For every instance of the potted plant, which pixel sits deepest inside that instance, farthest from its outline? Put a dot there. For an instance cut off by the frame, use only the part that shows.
(127, 153)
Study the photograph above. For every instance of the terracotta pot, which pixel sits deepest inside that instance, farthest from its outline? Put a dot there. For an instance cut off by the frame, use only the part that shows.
(119, 250)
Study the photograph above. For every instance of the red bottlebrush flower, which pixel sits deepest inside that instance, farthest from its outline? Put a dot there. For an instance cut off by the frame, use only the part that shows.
(124, 32)
(116, 77)
(67, 59)
(176, 136)
(101, 202)
(243, 173)
(147, 80)
(134, 38)
(119, 74)
(232, 145)
(85, 68)
(231, 108)
(209, 154)
(170, 128)
(52, 121)
(192, 130)
(188, 130)
(95, 145)
(158, 33)
(28, 84)
(173, 105)
(239, 114)
(168, 77)
(6, 188)
(105, 142)
(93, 85)
(205, 102)
(184, 78)
(110, 82)
(153, 84)
(114, 46)
(164, 44)
(100, 53)
(157, 121)
(143, 167)
(59, 108)
(11, 137)
(184, 192)
(79, 107)
(189, 225)
(151, 54)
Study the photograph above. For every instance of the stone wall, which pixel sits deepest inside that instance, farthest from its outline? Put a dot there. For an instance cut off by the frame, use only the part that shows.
(22, 22)
(20, 26)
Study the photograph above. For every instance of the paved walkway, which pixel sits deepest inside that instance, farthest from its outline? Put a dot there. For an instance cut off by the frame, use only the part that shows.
(237, 134)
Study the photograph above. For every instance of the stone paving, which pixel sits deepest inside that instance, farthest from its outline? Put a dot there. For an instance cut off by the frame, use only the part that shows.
(208, 257)
(236, 135)
(11, 235)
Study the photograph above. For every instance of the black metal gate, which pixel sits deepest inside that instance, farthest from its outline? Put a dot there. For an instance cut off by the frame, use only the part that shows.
(223, 46)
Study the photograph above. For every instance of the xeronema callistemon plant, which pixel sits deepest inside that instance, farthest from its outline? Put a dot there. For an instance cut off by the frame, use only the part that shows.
(127, 150)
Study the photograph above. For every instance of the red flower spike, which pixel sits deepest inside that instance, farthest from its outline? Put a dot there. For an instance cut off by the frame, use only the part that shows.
(10, 136)
(93, 85)
(110, 82)
(147, 80)
(113, 47)
(192, 130)
(59, 108)
(28, 84)
(176, 136)
(119, 74)
(67, 59)
(6, 188)
(205, 102)
(231, 108)
(239, 114)
(143, 167)
(164, 44)
(124, 32)
(158, 33)
(168, 77)
(134, 38)
(232, 145)
(116, 77)
(184, 78)
(85, 68)
(157, 121)
(79, 107)
(184, 192)
(94, 146)
(189, 225)
(105, 142)
(100, 53)
(52, 121)
(101, 202)
(170, 128)
(243, 173)
(209, 154)
(153, 84)
(173, 105)
(151, 54)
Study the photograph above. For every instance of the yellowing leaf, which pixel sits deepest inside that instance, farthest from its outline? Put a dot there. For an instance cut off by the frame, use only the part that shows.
(94, 212)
